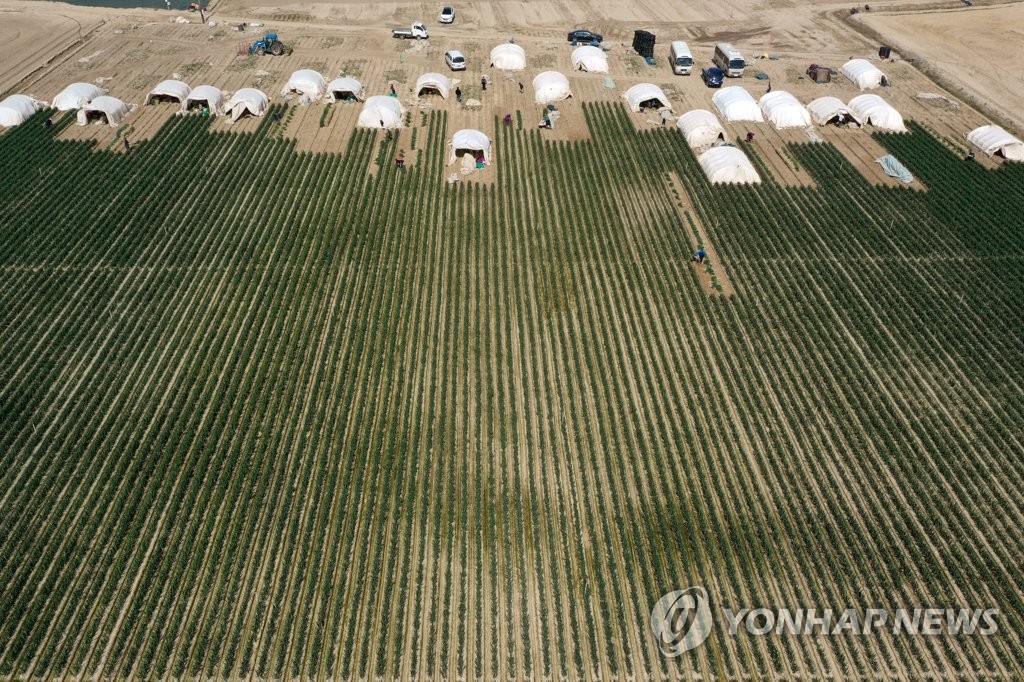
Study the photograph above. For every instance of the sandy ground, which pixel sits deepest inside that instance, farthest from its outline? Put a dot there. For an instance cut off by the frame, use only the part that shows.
(976, 51)
(130, 51)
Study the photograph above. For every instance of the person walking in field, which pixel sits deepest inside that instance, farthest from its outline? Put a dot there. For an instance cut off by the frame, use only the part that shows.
(127, 145)
(483, 83)
(458, 95)
(520, 87)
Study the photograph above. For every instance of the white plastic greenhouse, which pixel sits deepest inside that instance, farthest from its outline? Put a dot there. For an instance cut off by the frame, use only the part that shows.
(508, 57)
(551, 86)
(590, 58)
(875, 111)
(700, 127)
(736, 104)
(247, 102)
(469, 140)
(784, 111)
(381, 111)
(728, 165)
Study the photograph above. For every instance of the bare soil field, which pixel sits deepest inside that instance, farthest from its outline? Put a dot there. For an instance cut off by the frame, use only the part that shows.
(977, 51)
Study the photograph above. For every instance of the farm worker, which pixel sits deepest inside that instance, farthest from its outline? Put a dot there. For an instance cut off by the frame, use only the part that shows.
(393, 93)
(127, 146)
(508, 119)
(520, 87)
(483, 83)
(458, 94)
(970, 156)
(750, 136)
(769, 87)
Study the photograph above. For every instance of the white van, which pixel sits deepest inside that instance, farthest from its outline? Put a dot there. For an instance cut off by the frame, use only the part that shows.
(681, 59)
(729, 60)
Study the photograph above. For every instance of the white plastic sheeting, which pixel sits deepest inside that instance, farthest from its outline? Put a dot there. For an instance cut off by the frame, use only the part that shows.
(306, 82)
(642, 93)
(700, 127)
(727, 164)
(863, 73)
(992, 139)
(17, 109)
(590, 58)
(469, 140)
(176, 90)
(550, 86)
(824, 109)
(434, 81)
(247, 101)
(108, 109)
(736, 104)
(77, 95)
(341, 87)
(873, 110)
(213, 98)
(381, 111)
(508, 57)
(784, 111)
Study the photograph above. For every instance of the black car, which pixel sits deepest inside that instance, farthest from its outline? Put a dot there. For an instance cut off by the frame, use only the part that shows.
(582, 35)
(712, 77)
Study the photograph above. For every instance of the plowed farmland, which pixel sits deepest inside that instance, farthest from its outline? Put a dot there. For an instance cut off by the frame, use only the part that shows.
(268, 413)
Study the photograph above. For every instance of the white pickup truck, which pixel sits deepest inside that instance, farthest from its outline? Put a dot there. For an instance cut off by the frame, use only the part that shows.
(415, 32)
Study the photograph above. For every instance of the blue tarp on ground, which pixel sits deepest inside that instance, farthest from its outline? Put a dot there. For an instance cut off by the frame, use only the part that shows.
(896, 169)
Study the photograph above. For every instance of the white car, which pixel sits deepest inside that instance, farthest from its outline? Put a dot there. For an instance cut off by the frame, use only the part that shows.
(447, 15)
(455, 60)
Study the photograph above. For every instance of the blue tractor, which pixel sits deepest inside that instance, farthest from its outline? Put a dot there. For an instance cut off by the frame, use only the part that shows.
(268, 43)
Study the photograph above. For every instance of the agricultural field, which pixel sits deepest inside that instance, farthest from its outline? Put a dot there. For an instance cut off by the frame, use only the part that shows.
(268, 413)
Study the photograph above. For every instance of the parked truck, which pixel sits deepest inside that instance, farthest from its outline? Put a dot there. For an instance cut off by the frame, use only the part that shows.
(415, 32)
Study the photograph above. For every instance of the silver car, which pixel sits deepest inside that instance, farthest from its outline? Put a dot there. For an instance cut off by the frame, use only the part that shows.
(455, 60)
